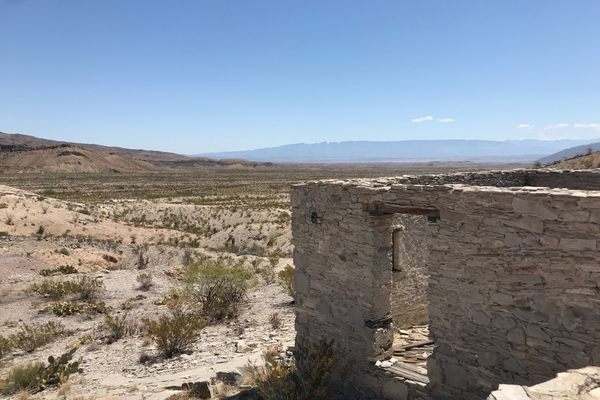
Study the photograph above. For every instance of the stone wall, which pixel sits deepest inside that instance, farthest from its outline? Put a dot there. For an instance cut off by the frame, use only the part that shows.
(514, 291)
(513, 288)
(577, 180)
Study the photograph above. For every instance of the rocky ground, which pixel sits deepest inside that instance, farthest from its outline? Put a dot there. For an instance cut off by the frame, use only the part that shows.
(114, 242)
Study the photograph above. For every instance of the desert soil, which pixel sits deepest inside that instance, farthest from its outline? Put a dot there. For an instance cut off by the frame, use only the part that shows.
(104, 240)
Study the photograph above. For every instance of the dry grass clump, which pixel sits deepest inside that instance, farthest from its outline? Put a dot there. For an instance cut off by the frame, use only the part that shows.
(219, 290)
(174, 333)
(280, 379)
(36, 376)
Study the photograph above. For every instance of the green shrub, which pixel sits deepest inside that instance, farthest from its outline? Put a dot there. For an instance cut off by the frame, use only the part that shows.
(63, 251)
(286, 276)
(35, 377)
(280, 379)
(62, 270)
(174, 333)
(219, 290)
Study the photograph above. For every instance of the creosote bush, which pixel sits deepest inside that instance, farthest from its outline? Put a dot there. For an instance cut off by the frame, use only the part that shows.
(174, 333)
(286, 276)
(280, 379)
(219, 290)
(35, 377)
(84, 288)
(117, 327)
(31, 336)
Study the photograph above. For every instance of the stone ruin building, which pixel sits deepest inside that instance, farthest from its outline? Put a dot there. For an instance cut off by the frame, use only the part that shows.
(503, 268)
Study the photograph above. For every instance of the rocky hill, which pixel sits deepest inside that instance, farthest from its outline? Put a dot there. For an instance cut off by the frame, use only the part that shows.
(570, 153)
(25, 153)
(585, 161)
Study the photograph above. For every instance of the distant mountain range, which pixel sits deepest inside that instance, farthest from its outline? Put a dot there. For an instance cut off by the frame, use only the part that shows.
(570, 152)
(23, 153)
(405, 151)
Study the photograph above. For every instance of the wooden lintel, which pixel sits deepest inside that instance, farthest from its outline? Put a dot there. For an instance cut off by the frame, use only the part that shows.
(381, 208)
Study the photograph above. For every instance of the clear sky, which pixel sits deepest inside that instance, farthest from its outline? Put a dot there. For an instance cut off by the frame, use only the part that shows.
(195, 76)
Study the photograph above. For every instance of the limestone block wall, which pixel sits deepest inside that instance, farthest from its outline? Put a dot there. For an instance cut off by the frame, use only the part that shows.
(514, 293)
(513, 289)
(578, 180)
(343, 273)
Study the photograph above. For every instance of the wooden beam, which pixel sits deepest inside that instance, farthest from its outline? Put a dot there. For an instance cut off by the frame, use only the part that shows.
(381, 208)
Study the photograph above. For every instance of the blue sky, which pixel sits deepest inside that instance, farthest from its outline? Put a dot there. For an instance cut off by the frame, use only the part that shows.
(195, 76)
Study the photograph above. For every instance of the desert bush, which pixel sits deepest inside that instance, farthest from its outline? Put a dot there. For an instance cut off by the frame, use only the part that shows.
(35, 377)
(280, 379)
(188, 257)
(88, 288)
(142, 260)
(30, 337)
(175, 332)
(63, 251)
(275, 321)
(67, 308)
(219, 290)
(145, 280)
(85, 288)
(286, 276)
(61, 270)
(118, 327)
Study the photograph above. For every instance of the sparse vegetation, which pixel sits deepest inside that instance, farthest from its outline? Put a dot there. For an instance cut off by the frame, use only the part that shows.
(280, 379)
(219, 290)
(61, 270)
(68, 308)
(175, 332)
(286, 276)
(84, 288)
(275, 321)
(35, 377)
(145, 281)
(29, 337)
(118, 326)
